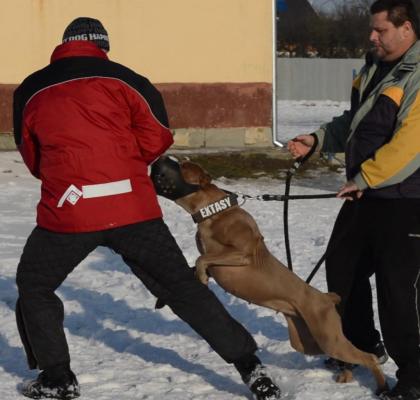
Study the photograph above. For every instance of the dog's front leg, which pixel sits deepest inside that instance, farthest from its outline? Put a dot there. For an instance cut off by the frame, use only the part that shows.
(232, 259)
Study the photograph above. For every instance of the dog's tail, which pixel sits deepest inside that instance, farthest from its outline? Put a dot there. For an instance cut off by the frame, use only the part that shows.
(334, 297)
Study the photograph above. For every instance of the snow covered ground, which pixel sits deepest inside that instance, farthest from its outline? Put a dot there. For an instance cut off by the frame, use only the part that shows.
(123, 349)
(298, 117)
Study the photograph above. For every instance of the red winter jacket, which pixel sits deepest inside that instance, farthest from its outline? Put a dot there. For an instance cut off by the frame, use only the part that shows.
(88, 128)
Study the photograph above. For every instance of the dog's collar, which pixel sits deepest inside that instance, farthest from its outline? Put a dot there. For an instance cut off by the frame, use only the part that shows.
(215, 208)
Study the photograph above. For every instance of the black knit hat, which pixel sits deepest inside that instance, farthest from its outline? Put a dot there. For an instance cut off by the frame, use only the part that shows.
(85, 28)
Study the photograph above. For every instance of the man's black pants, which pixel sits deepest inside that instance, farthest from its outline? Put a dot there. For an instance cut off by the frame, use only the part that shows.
(382, 237)
(154, 257)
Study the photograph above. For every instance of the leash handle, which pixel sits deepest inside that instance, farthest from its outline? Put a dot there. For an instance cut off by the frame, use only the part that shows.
(301, 160)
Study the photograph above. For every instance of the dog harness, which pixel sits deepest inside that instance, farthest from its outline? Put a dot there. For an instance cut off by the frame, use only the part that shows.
(215, 208)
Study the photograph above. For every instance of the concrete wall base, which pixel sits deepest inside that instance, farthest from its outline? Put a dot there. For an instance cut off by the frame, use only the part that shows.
(7, 141)
(194, 138)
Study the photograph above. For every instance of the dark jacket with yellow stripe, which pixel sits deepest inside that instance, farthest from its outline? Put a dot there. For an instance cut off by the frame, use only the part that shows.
(381, 135)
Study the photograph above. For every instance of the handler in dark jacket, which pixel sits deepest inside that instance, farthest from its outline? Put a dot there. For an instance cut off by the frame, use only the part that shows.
(380, 233)
(88, 128)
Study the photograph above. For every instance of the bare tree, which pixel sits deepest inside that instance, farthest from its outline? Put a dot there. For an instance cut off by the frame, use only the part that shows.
(341, 34)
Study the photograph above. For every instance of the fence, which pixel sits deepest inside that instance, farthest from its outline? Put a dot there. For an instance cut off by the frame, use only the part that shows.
(316, 78)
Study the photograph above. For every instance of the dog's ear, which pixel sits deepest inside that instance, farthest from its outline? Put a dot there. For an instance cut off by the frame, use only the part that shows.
(194, 174)
(205, 178)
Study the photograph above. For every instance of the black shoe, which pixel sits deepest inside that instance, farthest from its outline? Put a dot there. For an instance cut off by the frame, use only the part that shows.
(42, 387)
(261, 384)
(338, 365)
(402, 391)
(380, 352)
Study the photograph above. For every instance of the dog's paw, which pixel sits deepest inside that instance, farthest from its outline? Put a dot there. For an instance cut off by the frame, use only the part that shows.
(344, 376)
(203, 278)
(201, 274)
(201, 271)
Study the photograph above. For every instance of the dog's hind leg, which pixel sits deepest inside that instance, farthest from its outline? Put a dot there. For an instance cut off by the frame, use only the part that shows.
(300, 337)
(325, 326)
(345, 351)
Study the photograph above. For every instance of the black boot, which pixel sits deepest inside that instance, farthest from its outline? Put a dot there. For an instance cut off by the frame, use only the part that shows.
(54, 383)
(255, 376)
(402, 391)
(262, 385)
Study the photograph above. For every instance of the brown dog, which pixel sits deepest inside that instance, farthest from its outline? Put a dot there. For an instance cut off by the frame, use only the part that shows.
(233, 252)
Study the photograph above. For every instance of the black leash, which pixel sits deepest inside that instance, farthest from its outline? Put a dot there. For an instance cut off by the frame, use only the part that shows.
(291, 171)
(316, 268)
(281, 197)
(329, 246)
(290, 174)
(285, 198)
(276, 197)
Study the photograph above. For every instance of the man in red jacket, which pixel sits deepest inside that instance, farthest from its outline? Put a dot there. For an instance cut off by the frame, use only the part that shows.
(88, 128)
